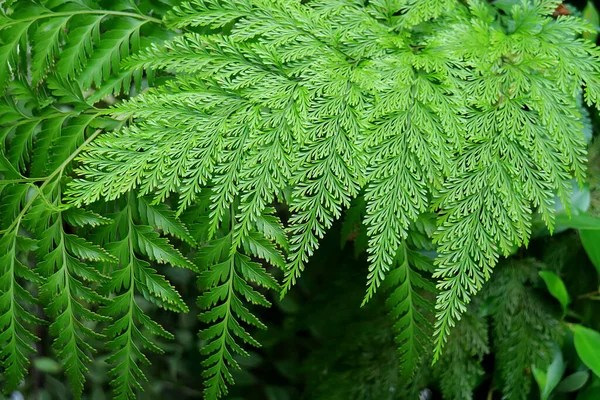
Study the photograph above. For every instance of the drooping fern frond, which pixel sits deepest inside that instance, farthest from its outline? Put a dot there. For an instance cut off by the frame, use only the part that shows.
(523, 140)
(16, 316)
(411, 307)
(61, 277)
(415, 125)
(37, 210)
(227, 280)
(69, 286)
(132, 329)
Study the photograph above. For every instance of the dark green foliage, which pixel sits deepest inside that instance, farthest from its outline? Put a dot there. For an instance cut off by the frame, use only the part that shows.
(460, 370)
(524, 329)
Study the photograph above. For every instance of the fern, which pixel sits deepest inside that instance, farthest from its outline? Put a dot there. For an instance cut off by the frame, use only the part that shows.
(65, 288)
(132, 328)
(460, 366)
(523, 141)
(409, 306)
(524, 329)
(87, 53)
(226, 281)
(15, 318)
(259, 124)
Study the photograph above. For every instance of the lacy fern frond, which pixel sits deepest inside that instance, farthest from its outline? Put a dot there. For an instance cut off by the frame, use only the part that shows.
(415, 124)
(523, 140)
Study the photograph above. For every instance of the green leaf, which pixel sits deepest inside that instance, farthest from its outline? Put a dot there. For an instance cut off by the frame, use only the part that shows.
(591, 243)
(587, 343)
(47, 39)
(159, 290)
(160, 216)
(115, 43)
(547, 380)
(408, 305)
(8, 50)
(573, 382)
(51, 130)
(85, 31)
(71, 137)
(80, 217)
(159, 249)
(525, 330)
(7, 169)
(66, 296)
(556, 287)
(16, 337)
(133, 331)
(46, 365)
(19, 149)
(580, 220)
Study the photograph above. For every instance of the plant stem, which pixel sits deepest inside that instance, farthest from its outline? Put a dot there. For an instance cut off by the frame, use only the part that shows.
(589, 295)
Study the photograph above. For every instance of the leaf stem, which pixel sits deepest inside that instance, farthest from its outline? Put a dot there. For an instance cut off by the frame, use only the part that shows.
(589, 295)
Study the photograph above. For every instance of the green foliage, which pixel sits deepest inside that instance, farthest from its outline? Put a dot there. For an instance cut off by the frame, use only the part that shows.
(409, 303)
(443, 133)
(227, 279)
(523, 328)
(132, 329)
(460, 367)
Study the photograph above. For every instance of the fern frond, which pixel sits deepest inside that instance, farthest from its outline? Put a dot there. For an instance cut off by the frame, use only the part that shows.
(114, 44)
(161, 217)
(66, 39)
(524, 330)
(414, 12)
(523, 142)
(16, 318)
(67, 296)
(46, 40)
(225, 289)
(460, 366)
(415, 126)
(79, 45)
(330, 174)
(409, 304)
(213, 13)
(133, 329)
